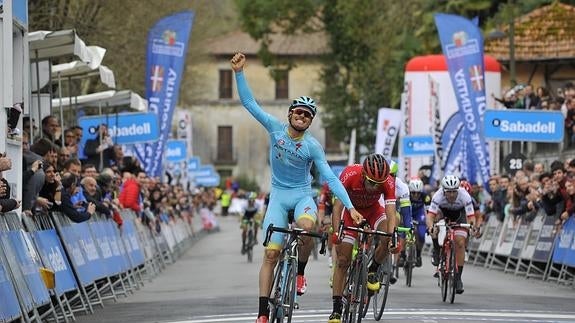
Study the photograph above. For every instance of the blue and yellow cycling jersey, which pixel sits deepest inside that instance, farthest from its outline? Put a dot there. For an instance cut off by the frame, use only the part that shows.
(291, 158)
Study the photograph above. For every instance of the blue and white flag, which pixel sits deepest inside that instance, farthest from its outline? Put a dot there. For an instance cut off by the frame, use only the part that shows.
(166, 56)
(462, 45)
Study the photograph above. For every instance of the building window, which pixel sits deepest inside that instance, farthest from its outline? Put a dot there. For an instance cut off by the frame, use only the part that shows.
(282, 84)
(225, 84)
(331, 144)
(225, 143)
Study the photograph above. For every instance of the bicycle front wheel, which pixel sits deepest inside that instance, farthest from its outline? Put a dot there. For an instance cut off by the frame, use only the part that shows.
(352, 296)
(276, 308)
(250, 246)
(409, 264)
(451, 285)
(444, 272)
(380, 298)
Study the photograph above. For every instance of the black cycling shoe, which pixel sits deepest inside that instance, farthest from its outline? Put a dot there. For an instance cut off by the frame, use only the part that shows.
(459, 287)
(243, 249)
(418, 262)
(435, 257)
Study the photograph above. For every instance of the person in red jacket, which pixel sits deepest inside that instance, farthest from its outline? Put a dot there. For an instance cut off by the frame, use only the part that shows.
(130, 193)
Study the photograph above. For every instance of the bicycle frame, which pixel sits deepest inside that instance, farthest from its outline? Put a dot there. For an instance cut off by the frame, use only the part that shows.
(283, 294)
(448, 266)
(355, 288)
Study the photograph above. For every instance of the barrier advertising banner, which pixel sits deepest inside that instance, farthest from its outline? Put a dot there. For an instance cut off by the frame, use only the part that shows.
(462, 45)
(166, 56)
(52, 252)
(544, 244)
(9, 307)
(532, 236)
(564, 252)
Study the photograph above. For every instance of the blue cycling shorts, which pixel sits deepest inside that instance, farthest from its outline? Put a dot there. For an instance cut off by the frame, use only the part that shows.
(300, 200)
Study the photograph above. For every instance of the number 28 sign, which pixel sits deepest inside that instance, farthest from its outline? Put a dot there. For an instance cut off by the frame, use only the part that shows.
(514, 162)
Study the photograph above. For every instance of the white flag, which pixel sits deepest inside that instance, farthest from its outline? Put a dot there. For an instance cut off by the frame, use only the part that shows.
(388, 125)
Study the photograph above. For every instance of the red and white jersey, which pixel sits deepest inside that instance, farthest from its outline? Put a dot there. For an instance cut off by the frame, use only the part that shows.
(361, 198)
(463, 203)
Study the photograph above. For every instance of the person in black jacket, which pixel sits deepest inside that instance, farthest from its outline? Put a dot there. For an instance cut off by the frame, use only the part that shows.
(69, 185)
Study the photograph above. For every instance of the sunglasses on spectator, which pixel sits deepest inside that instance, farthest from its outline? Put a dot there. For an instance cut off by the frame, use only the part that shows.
(303, 112)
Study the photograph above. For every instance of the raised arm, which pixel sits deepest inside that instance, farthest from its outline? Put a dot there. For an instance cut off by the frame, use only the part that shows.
(246, 97)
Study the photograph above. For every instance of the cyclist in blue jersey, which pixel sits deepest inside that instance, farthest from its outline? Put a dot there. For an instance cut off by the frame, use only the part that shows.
(420, 201)
(292, 152)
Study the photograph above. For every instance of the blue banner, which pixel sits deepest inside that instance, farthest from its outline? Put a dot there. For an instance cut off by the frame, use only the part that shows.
(564, 251)
(30, 265)
(524, 125)
(124, 128)
(166, 55)
(462, 45)
(418, 146)
(9, 307)
(544, 245)
(84, 267)
(452, 137)
(54, 257)
(130, 236)
(193, 163)
(176, 150)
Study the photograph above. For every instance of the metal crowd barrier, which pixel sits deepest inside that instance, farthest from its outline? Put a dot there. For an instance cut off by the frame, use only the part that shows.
(527, 248)
(52, 268)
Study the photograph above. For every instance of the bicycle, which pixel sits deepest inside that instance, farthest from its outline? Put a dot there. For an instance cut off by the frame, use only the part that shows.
(355, 296)
(283, 294)
(250, 239)
(384, 274)
(410, 253)
(447, 267)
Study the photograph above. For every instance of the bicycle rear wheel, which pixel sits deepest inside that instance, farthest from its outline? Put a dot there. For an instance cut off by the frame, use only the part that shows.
(380, 298)
(451, 276)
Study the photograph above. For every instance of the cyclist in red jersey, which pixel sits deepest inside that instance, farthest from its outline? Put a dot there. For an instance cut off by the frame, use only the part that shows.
(365, 184)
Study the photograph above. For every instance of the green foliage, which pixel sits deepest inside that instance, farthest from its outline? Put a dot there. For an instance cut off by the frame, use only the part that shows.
(371, 41)
(247, 184)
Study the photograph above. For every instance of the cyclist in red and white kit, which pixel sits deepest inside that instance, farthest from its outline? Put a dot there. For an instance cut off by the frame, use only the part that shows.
(454, 204)
(365, 184)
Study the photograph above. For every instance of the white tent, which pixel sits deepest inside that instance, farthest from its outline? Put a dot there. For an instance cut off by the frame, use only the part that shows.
(105, 99)
(78, 69)
(45, 45)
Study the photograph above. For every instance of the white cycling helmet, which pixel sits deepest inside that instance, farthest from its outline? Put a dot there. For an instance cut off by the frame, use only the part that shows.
(415, 185)
(450, 182)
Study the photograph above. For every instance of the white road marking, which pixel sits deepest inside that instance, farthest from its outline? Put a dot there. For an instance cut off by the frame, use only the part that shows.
(486, 315)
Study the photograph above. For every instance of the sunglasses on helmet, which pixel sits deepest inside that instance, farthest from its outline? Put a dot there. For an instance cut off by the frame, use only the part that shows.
(373, 181)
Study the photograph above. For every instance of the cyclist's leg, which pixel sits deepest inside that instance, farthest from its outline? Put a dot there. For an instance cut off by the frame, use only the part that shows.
(420, 233)
(460, 243)
(277, 215)
(305, 214)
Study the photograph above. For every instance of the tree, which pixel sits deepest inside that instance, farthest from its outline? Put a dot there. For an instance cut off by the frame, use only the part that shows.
(370, 41)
